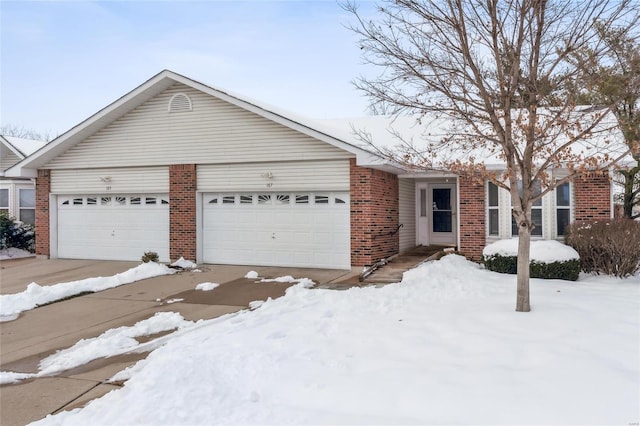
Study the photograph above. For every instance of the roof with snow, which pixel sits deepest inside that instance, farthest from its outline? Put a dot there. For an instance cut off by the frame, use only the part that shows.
(13, 150)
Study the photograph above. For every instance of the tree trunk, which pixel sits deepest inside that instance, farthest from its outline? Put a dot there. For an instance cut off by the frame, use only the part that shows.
(524, 248)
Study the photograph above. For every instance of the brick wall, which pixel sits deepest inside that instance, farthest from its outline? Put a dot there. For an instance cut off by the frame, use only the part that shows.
(182, 211)
(374, 215)
(43, 188)
(472, 238)
(592, 196)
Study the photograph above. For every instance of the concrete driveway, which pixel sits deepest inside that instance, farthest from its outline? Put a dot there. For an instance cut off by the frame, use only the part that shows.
(45, 330)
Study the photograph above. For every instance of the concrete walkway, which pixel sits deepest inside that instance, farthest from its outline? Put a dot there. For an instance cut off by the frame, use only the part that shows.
(45, 330)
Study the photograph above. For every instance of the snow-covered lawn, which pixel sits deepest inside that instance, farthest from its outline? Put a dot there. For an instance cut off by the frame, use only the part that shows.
(445, 346)
(11, 305)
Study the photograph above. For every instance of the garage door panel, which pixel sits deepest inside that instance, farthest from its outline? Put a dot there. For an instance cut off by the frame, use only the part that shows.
(108, 227)
(280, 229)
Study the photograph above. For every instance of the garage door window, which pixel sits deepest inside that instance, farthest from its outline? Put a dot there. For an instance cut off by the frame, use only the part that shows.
(118, 200)
(298, 199)
(28, 206)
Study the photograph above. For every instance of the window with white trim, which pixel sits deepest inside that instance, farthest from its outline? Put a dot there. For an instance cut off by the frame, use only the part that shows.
(4, 201)
(493, 209)
(27, 198)
(563, 208)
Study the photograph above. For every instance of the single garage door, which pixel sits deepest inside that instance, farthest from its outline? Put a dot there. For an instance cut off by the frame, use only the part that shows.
(113, 227)
(277, 229)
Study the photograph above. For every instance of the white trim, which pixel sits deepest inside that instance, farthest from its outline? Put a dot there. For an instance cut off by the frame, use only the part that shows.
(199, 226)
(53, 226)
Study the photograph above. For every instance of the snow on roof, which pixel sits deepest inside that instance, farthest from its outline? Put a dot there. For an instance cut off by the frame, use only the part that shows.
(416, 137)
(25, 146)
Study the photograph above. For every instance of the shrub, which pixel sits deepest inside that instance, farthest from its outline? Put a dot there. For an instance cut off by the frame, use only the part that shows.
(16, 234)
(150, 256)
(563, 270)
(609, 247)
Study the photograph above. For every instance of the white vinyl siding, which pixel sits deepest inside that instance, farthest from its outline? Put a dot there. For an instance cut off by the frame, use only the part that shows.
(407, 214)
(214, 132)
(130, 180)
(8, 159)
(332, 175)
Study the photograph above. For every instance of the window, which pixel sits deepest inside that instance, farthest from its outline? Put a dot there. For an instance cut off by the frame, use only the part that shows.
(4, 201)
(536, 213)
(264, 199)
(246, 199)
(229, 199)
(563, 208)
(321, 199)
(92, 201)
(28, 206)
(282, 199)
(135, 201)
(302, 199)
(493, 209)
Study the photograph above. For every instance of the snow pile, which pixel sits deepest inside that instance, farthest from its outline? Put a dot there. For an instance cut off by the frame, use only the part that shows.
(9, 377)
(252, 275)
(445, 346)
(184, 264)
(206, 286)
(304, 282)
(543, 251)
(14, 253)
(12, 305)
(110, 343)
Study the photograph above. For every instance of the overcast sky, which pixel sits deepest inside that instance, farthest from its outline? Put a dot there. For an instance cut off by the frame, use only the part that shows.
(62, 61)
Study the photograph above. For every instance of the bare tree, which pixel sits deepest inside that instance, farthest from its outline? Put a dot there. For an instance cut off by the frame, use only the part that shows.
(24, 133)
(494, 68)
(614, 79)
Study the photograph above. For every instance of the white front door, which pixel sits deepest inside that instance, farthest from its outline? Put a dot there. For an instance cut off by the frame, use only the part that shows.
(436, 215)
(442, 214)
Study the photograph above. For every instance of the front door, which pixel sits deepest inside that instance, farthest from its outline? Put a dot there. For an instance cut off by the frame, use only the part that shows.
(436, 215)
(442, 229)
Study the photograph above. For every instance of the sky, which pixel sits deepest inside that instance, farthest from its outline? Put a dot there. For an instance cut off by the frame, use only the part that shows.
(62, 61)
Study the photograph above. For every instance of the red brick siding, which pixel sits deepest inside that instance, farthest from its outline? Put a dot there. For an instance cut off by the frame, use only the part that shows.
(182, 211)
(592, 197)
(43, 189)
(472, 238)
(374, 215)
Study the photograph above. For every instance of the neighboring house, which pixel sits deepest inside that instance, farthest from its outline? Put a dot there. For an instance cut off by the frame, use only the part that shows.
(185, 169)
(17, 195)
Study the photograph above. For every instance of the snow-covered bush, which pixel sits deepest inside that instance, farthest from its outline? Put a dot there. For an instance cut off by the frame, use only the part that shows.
(16, 234)
(609, 247)
(549, 259)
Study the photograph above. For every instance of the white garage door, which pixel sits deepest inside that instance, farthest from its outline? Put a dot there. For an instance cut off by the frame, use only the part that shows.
(113, 227)
(277, 229)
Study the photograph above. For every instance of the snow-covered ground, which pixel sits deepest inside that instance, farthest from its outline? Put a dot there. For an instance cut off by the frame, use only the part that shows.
(445, 346)
(14, 253)
(11, 305)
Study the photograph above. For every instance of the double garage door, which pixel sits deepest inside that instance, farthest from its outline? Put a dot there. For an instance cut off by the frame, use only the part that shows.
(303, 229)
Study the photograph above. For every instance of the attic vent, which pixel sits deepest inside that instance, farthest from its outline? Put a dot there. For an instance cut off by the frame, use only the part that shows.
(180, 103)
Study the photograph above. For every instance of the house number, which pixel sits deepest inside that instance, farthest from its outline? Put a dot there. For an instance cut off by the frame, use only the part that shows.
(108, 188)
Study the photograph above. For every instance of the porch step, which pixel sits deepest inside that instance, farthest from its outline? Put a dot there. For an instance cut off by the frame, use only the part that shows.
(392, 271)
